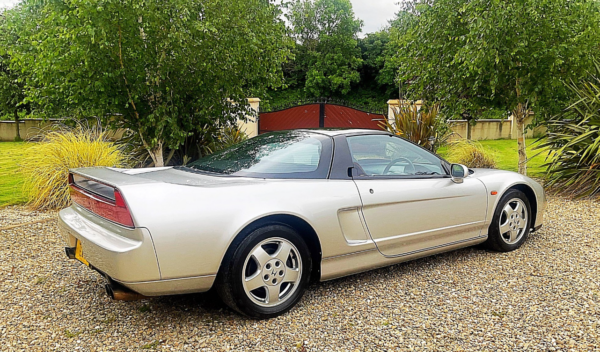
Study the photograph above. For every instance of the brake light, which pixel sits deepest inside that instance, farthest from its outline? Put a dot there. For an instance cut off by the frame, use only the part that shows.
(99, 201)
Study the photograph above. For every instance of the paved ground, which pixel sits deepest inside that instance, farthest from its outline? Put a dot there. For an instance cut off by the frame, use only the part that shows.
(545, 296)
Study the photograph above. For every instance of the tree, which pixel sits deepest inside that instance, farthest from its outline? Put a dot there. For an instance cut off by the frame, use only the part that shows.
(162, 68)
(388, 60)
(327, 57)
(12, 84)
(374, 51)
(476, 56)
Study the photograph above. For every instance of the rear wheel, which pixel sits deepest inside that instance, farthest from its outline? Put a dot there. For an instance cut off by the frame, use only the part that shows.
(267, 272)
(511, 223)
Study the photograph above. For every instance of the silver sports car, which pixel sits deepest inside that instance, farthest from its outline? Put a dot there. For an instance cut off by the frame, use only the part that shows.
(261, 219)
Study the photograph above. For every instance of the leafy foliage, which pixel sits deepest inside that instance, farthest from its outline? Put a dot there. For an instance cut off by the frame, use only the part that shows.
(477, 56)
(162, 68)
(46, 164)
(474, 55)
(421, 125)
(470, 154)
(377, 73)
(375, 50)
(574, 141)
(12, 83)
(327, 57)
(221, 139)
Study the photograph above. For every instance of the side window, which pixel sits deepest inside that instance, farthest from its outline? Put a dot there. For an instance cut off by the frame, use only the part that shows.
(302, 156)
(384, 155)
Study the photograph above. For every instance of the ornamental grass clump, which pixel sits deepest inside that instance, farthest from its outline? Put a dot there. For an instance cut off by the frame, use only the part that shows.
(47, 162)
(470, 154)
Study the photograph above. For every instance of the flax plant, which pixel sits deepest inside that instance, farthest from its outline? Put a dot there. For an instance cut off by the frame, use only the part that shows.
(47, 162)
(420, 125)
(574, 142)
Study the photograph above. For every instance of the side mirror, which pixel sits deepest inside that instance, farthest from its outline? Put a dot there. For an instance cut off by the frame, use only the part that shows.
(458, 172)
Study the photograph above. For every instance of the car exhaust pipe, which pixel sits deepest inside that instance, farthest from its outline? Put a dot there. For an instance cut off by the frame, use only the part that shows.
(119, 292)
(70, 251)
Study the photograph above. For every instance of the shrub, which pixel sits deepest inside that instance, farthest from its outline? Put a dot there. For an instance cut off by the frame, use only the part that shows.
(207, 140)
(223, 138)
(423, 126)
(46, 164)
(470, 154)
(573, 142)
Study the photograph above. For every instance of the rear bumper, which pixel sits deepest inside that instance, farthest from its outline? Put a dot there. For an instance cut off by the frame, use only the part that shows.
(124, 255)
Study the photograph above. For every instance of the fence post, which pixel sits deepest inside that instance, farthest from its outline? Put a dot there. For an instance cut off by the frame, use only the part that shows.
(250, 127)
(393, 105)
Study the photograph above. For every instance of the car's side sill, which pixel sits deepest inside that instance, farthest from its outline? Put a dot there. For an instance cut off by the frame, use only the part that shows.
(433, 248)
(353, 263)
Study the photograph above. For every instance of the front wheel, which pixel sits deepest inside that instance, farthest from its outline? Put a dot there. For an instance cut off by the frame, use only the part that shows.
(266, 274)
(511, 223)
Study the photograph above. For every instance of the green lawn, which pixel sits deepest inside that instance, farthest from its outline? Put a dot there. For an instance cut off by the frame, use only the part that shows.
(507, 158)
(11, 182)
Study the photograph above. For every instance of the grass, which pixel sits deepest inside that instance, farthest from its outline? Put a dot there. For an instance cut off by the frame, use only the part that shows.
(71, 334)
(152, 345)
(11, 181)
(506, 155)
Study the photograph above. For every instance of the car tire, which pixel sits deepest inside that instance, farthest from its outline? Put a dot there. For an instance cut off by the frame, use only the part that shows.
(511, 223)
(266, 273)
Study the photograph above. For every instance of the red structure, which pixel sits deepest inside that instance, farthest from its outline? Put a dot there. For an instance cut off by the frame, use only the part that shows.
(303, 116)
(320, 114)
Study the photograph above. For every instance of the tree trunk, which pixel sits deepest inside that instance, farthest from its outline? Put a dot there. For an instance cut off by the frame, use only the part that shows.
(18, 135)
(469, 129)
(520, 113)
(156, 153)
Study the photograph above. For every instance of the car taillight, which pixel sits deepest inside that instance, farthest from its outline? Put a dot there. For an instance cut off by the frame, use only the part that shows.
(101, 199)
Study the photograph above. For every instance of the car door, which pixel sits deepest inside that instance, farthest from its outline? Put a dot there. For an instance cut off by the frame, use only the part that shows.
(410, 203)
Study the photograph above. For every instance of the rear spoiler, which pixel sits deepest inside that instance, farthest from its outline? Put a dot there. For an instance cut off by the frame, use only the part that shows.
(110, 176)
(97, 190)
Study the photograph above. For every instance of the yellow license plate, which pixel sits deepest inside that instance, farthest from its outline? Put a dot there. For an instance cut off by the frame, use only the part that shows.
(79, 253)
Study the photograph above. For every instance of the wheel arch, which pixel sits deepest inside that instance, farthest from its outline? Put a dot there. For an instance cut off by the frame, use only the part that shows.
(531, 197)
(306, 231)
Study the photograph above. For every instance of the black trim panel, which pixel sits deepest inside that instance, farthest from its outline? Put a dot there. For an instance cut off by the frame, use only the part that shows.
(341, 159)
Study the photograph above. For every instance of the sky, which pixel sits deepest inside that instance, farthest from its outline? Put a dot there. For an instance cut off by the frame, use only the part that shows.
(374, 13)
(7, 3)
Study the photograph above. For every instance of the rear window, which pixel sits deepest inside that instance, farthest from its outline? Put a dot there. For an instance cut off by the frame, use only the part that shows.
(288, 154)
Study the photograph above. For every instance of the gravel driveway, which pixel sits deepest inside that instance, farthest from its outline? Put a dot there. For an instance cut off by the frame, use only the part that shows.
(545, 296)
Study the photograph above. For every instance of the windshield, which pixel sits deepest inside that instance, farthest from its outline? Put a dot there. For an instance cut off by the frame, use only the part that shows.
(287, 154)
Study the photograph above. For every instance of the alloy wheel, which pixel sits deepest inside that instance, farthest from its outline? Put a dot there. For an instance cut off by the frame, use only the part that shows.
(272, 271)
(513, 221)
